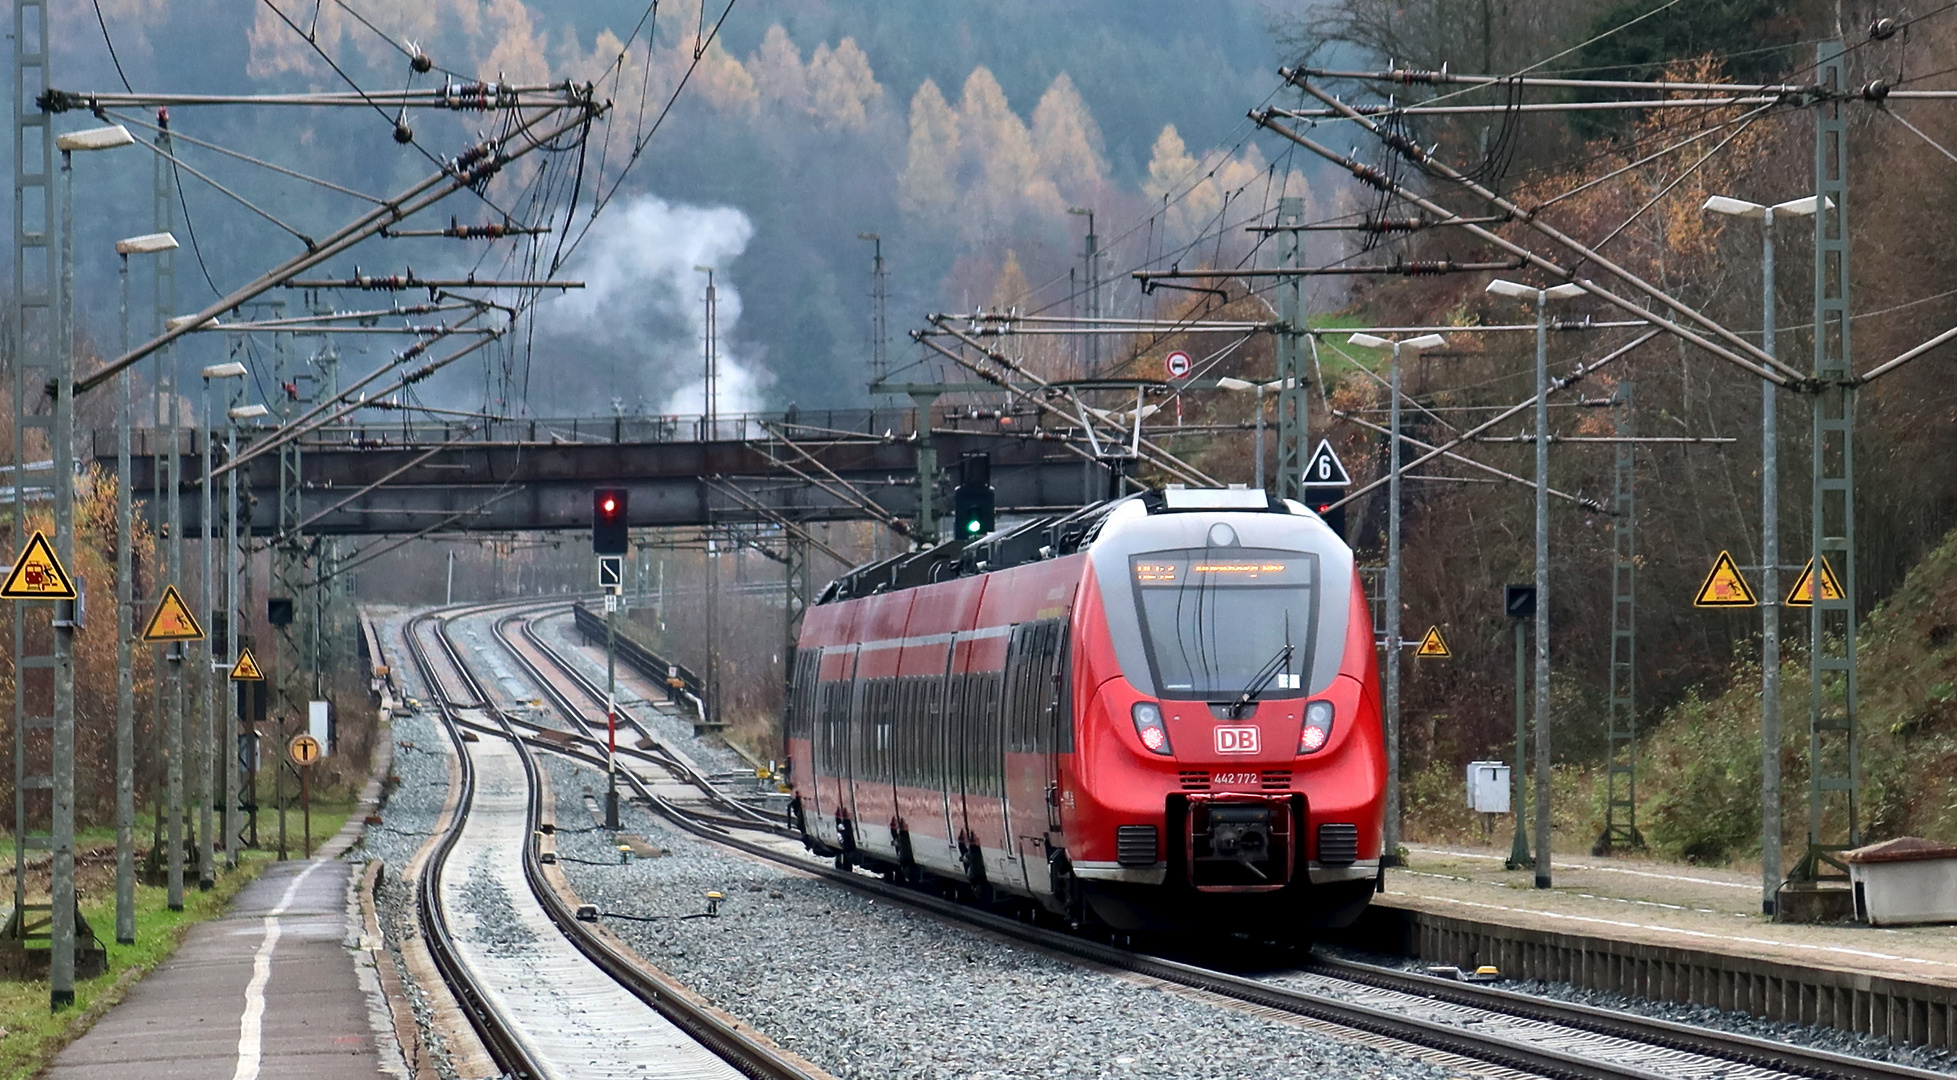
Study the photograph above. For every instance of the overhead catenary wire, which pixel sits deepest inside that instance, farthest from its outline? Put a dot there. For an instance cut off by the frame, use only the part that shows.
(178, 136)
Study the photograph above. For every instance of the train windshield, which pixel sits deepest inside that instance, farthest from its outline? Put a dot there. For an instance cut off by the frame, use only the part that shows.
(1214, 619)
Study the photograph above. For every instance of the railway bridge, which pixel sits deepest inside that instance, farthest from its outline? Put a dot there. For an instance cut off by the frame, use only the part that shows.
(534, 475)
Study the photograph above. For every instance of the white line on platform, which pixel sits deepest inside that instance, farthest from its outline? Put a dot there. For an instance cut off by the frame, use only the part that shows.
(251, 1024)
(1590, 866)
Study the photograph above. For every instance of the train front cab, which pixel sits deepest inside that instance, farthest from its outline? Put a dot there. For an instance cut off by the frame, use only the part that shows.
(1220, 821)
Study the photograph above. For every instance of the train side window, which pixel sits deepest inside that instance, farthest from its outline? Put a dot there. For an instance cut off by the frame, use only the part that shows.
(886, 731)
(994, 729)
(1063, 722)
(900, 722)
(1016, 677)
(808, 672)
(907, 721)
(861, 720)
(932, 749)
(958, 731)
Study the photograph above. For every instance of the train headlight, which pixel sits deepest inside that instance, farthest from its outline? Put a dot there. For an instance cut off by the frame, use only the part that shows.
(1148, 724)
(1318, 727)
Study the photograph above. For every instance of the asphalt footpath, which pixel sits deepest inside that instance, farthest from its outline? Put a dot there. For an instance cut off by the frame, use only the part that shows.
(268, 991)
(278, 988)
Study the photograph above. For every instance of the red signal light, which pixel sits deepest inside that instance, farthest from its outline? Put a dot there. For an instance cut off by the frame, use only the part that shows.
(609, 534)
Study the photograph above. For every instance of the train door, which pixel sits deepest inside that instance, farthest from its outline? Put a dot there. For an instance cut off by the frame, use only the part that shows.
(800, 723)
(831, 742)
(960, 695)
(943, 738)
(856, 720)
(978, 801)
(1031, 777)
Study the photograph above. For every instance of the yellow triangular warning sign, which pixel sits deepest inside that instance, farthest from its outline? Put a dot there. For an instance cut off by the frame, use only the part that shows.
(38, 575)
(1433, 646)
(1724, 587)
(1803, 592)
(173, 620)
(246, 669)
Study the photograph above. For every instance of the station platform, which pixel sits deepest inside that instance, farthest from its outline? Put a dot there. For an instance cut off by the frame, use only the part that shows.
(1666, 931)
(269, 990)
(277, 988)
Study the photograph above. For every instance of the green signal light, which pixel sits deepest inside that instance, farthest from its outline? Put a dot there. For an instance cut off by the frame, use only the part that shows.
(972, 526)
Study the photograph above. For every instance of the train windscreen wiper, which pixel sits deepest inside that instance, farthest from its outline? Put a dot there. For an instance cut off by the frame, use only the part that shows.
(1280, 662)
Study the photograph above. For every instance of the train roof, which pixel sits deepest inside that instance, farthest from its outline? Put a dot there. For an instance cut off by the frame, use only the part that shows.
(1037, 539)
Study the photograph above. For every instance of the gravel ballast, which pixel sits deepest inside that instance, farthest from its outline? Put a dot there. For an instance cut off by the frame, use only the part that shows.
(865, 989)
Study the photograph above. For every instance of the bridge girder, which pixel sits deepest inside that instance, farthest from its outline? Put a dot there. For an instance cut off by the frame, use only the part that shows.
(520, 486)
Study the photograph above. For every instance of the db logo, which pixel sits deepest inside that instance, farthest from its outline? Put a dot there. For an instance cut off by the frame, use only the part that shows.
(1236, 740)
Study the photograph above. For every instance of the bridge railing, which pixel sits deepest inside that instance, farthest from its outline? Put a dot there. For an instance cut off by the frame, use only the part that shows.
(682, 684)
(812, 424)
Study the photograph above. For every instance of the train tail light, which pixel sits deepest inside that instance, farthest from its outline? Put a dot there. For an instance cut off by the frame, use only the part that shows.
(1148, 724)
(1318, 727)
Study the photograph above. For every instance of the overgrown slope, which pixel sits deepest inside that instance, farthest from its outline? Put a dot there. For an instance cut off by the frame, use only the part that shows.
(1700, 771)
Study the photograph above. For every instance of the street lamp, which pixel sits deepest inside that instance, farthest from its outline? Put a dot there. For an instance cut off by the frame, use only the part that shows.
(711, 390)
(1391, 841)
(61, 824)
(1228, 383)
(211, 726)
(1541, 298)
(1769, 539)
(125, 734)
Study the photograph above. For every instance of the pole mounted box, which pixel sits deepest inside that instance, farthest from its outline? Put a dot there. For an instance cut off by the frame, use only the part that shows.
(608, 522)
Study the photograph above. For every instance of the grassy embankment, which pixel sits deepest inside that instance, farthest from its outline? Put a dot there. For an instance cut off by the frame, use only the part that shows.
(1699, 766)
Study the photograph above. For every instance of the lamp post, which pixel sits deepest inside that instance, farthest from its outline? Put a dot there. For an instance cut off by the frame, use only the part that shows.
(125, 733)
(61, 825)
(1541, 298)
(61, 445)
(214, 665)
(1769, 541)
(1257, 451)
(710, 392)
(710, 709)
(1390, 842)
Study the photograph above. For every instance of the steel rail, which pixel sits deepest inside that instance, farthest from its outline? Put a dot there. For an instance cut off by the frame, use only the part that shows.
(497, 1037)
(679, 769)
(745, 1054)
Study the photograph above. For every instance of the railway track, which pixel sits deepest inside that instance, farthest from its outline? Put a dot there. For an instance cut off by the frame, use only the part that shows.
(549, 997)
(1485, 1029)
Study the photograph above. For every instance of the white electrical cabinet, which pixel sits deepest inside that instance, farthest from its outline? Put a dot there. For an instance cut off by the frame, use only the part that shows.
(1488, 787)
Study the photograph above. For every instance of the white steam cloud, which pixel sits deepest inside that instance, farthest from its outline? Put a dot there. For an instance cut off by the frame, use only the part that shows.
(635, 332)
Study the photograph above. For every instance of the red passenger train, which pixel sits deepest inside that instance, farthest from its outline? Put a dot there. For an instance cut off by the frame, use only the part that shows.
(1158, 712)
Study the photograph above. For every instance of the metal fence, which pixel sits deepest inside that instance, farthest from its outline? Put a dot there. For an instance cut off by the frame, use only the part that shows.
(809, 424)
